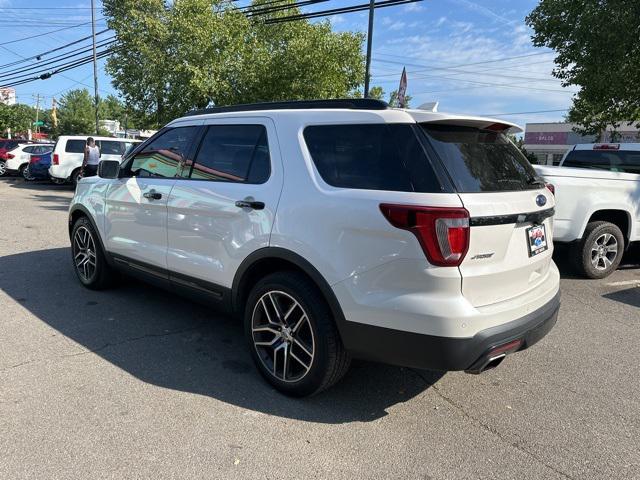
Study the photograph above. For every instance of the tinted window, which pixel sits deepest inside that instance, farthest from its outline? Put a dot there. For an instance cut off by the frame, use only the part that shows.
(9, 145)
(371, 157)
(29, 149)
(166, 155)
(480, 160)
(75, 146)
(612, 160)
(233, 153)
(111, 148)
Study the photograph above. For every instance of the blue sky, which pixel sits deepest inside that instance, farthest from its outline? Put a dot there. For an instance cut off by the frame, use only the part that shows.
(473, 57)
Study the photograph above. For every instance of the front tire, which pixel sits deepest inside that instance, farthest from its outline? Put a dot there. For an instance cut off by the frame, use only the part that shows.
(89, 260)
(292, 335)
(600, 250)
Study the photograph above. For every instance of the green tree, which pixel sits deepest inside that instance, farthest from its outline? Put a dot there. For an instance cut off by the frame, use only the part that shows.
(597, 50)
(76, 114)
(173, 57)
(19, 118)
(393, 99)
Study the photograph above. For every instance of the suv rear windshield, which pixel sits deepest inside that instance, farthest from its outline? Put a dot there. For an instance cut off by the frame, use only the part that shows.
(481, 160)
(371, 157)
(612, 160)
(9, 144)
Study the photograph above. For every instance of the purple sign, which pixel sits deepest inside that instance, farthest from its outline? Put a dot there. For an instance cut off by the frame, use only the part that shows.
(546, 138)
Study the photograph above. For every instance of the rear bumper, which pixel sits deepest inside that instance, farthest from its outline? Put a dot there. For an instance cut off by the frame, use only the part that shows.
(447, 353)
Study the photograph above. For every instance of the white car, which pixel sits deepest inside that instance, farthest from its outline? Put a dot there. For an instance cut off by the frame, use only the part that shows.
(68, 154)
(598, 204)
(18, 159)
(334, 229)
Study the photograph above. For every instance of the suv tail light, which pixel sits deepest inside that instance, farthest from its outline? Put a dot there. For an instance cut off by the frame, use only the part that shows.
(550, 187)
(10, 156)
(443, 232)
(56, 159)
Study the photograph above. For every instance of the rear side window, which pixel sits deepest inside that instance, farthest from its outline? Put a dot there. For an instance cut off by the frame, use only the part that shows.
(108, 147)
(614, 161)
(233, 153)
(480, 160)
(75, 146)
(371, 157)
(166, 155)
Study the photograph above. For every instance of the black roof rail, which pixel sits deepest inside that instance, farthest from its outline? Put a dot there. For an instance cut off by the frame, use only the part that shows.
(349, 103)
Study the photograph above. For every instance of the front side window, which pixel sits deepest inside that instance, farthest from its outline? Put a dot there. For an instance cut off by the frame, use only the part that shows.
(108, 147)
(75, 146)
(371, 157)
(233, 153)
(480, 160)
(165, 156)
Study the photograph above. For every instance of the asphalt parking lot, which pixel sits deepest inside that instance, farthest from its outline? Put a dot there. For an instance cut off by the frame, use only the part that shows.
(135, 382)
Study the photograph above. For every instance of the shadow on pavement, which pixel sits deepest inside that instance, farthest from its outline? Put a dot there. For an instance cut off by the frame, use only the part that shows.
(630, 296)
(41, 185)
(167, 341)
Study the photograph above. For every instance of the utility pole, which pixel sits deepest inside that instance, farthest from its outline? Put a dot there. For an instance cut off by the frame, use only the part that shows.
(95, 62)
(37, 112)
(367, 73)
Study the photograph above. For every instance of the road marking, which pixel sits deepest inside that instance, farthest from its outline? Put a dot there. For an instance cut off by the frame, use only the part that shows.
(624, 282)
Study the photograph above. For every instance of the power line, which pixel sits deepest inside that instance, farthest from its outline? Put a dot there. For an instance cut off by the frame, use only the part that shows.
(43, 34)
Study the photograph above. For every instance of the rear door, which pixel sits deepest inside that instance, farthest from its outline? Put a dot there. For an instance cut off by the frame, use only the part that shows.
(225, 208)
(511, 213)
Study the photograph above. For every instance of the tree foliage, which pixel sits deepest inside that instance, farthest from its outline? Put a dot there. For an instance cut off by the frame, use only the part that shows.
(598, 50)
(76, 114)
(378, 93)
(173, 57)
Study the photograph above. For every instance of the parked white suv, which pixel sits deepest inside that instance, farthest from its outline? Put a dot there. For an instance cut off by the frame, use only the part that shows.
(68, 154)
(597, 189)
(335, 229)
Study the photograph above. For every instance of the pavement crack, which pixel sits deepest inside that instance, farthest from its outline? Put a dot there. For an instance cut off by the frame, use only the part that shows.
(26, 362)
(588, 305)
(134, 339)
(490, 429)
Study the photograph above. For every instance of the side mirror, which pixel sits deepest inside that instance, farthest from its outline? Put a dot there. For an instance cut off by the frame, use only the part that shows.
(109, 169)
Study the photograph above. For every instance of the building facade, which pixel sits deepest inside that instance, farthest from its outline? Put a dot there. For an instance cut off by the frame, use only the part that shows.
(550, 141)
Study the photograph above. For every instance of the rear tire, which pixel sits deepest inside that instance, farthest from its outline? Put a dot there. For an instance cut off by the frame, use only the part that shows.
(600, 250)
(3, 168)
(75, 177)
(24, 171)
(292, 335)
(89, 260)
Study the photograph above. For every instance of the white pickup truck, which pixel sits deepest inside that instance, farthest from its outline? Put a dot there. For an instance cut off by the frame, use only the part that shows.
(597, 204)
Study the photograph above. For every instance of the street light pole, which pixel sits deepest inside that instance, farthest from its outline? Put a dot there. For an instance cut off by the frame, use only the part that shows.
(95, 62)
(367, 73)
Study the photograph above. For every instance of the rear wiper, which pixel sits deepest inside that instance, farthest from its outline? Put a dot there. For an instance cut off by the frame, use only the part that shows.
(536, 181)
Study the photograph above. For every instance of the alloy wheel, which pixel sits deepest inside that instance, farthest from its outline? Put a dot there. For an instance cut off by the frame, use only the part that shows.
(84, 253)
(282, 336)
(3, 168)
(604, 251)
(26, 175)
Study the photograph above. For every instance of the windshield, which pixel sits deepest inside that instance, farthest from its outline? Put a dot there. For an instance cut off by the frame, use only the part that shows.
(481, 160)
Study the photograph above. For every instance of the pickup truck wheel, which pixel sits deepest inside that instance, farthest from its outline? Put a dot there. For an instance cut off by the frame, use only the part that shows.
(292, 336)
(600, 250)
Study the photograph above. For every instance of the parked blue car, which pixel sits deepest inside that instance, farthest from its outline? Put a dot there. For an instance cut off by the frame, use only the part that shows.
(38, 168)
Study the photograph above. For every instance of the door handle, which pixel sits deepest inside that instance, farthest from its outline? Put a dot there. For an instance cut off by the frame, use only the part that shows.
(152, 195)
(250, 204)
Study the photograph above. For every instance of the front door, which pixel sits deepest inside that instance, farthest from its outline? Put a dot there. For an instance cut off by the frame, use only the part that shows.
(136, 204)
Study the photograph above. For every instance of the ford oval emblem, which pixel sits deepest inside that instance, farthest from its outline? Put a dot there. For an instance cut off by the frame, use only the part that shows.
(541, 200)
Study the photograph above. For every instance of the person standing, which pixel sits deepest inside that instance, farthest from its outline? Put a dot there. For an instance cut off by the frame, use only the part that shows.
(91, 159)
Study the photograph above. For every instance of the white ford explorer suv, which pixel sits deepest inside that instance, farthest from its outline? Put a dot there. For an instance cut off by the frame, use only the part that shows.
(335, 229)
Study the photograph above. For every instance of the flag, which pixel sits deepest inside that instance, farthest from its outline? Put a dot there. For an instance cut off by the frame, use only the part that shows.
(54, 113)
(402, 89)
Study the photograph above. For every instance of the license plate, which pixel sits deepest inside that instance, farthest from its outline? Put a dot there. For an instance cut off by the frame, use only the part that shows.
(536, 240)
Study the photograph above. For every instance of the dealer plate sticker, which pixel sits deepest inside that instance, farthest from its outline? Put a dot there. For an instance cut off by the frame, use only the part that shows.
(536, 240)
